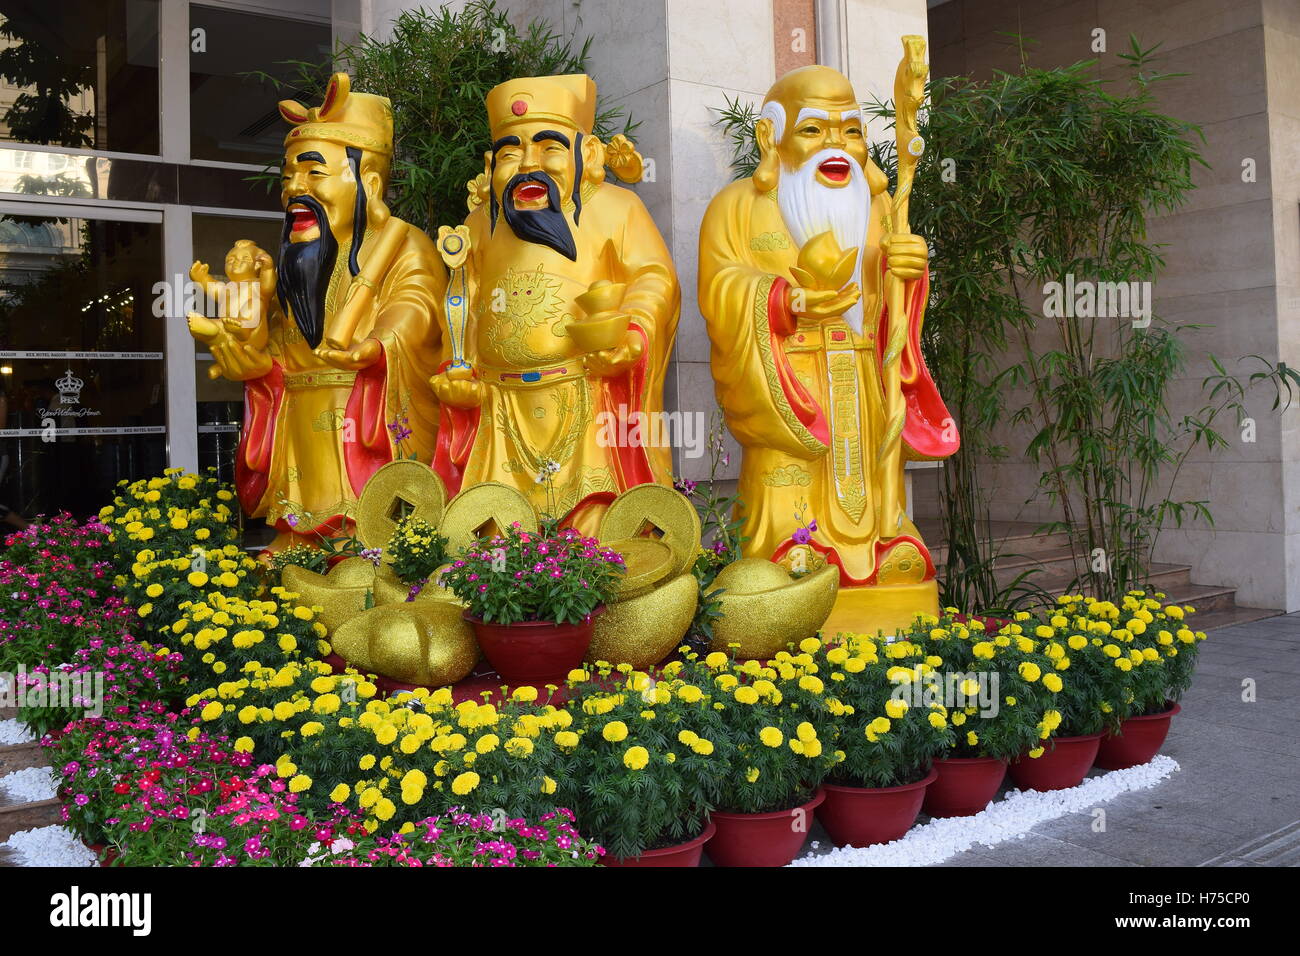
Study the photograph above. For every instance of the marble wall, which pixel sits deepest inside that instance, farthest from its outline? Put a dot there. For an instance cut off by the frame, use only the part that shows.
(1231, 251)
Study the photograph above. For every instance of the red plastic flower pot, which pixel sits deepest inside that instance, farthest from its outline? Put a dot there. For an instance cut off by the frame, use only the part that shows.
(862, 816)
(1064, 763)
(681, 854)
(965, 785)
(762, 839)
(534, 652)
(1139, 739)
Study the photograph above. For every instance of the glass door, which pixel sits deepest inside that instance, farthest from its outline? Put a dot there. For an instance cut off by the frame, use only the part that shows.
(82, 391)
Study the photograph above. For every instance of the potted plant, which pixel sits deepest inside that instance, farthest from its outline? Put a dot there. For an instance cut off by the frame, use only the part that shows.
(889, 741)
(1157, 651)
(532, 598)
(1090, 700)
(644, 763)
(994, 696)
(782, 745)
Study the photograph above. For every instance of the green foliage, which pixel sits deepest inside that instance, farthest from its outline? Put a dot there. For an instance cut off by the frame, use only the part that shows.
(437, 68)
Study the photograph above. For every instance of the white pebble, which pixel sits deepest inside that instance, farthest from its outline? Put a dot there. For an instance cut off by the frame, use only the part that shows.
(12, 732)
(28, 785)
(1011, 818)
(49, 846)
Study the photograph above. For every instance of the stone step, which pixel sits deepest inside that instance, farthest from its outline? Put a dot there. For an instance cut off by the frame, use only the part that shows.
(1227, 617)
(27, 816)
(1013, 539)
(21, 756)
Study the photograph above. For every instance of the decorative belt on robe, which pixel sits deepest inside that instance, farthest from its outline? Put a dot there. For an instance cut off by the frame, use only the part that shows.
(533, 378)
(333, 378)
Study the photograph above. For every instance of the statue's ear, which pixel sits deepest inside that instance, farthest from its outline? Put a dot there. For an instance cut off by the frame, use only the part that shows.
(593, 159)
(769, 162)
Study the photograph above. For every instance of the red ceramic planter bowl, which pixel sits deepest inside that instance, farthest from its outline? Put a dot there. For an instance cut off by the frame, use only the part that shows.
(762, 839)
(682, 854)
(862, 816)
(965, 785)
(1064, 764)
(1139, 740)
(534, 652)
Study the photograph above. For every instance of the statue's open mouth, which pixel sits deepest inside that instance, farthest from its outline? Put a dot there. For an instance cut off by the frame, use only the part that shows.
(302, 219)
(836, 169)
(530, 192)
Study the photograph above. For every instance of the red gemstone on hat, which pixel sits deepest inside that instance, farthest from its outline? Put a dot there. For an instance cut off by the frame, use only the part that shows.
(519, 107)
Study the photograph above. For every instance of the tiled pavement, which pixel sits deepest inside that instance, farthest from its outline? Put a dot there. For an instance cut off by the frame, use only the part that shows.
(1236, 800)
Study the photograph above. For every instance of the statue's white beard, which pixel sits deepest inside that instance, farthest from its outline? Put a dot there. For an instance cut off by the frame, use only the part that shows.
(809, 209)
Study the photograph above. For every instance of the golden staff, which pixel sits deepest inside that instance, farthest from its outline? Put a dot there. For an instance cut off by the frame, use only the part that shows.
(909, 93)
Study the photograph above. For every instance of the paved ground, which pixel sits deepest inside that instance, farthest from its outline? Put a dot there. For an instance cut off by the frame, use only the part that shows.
(1236, 801)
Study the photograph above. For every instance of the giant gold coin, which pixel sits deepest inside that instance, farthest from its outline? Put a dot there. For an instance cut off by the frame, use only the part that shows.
(646, 561)
(484, 510)
(400, 489)
(659, 512)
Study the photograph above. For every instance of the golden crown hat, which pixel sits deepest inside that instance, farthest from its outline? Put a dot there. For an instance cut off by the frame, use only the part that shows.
(568, 100)
(362, 120)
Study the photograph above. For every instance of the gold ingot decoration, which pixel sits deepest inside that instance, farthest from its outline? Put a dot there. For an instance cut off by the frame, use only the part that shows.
(823, 264)
(425, 643)
(341, 594)
(765, 610)
(485, 509)
(398, 490)
(647, 562)
(603, 325)
(660, 512)
(644, 630)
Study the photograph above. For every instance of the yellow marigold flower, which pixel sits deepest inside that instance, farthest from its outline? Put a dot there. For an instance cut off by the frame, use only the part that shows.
(312, 728)
(614, 731)
(1030, 671)
(810, 645)
(636, 758)
(746, 694)
(487, 743)
(1037, 752)
(465, 783)
(340, 793)
(300, 783)
(811, 684)
(895, 708)
(702, 747)
(526, 694)
(385, 809)
(881, 725)
(520, 746)
(805, 731)
(771, 737)
(244, 745)
(566, 739)
(1053, 683)
(715, 660)
(213, 710)
(751, 774)
(548, 785)
(938, 720)
(197, 579)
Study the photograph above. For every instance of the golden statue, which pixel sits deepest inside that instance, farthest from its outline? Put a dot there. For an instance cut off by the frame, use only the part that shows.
(336, 344)
(814, 292)
(561, 312)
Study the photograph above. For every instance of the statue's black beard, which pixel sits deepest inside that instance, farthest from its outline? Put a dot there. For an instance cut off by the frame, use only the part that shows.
(303, 274)
(547, 227)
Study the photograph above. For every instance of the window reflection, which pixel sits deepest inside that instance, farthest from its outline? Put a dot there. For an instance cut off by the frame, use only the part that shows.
(80, 73)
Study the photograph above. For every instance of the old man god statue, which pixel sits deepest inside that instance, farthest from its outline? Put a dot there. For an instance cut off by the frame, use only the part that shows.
(561, 311)
(336, 344)
(814, 292)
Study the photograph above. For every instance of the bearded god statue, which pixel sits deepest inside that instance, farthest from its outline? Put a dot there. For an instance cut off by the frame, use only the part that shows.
(814, 292)
(572, 308)
(336, 344)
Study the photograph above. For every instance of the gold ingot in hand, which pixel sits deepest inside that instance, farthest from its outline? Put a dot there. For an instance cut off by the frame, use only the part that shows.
(604, 326)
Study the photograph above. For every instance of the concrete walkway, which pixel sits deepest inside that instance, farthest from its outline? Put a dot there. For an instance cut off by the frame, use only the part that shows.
(1236, 801)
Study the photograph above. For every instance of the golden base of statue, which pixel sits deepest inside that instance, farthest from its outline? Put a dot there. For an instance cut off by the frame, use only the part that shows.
(881, 608)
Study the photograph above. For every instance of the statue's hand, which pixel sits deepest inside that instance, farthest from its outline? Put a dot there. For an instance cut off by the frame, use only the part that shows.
(616, 361)
(364, 355)
(907, 255)
(457, 387)
(234, 359)
(823, 304)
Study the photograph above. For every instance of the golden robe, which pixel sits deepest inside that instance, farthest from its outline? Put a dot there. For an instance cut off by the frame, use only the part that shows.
(541, 404)
(805, 399)
(313, 433)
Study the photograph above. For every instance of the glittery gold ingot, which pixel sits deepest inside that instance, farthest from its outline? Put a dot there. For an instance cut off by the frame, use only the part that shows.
(388, 587)
(400, 489)
(764, 609)
(484, 509)
(425, 643)
(647, 562)
(644, 630)
(341, 594)
(662, 512)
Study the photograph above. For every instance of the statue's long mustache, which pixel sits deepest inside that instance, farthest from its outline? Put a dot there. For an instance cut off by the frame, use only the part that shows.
(547, 227)
(304, 271)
